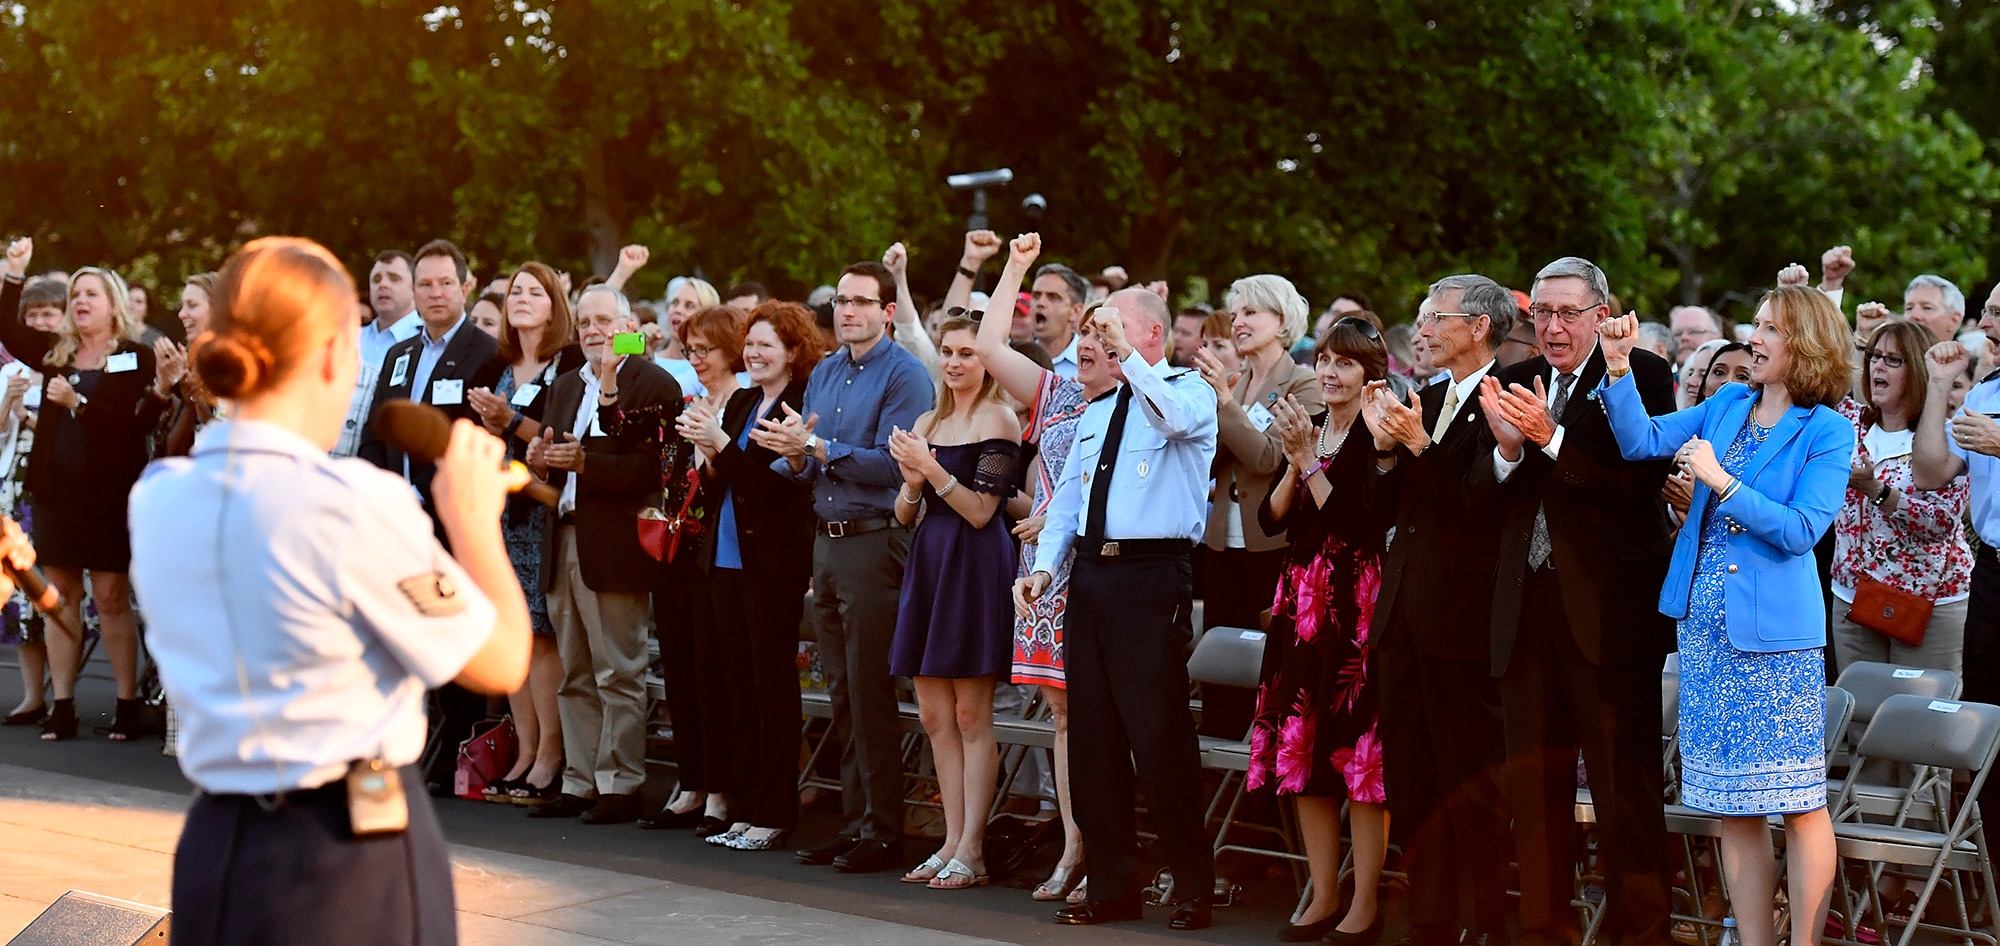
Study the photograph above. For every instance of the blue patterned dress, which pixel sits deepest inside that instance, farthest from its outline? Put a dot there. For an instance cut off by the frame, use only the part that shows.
(1752, 725)
(522, 529)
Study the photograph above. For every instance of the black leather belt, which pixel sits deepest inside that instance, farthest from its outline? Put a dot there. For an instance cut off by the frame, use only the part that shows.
(853, 527)
(1126, 548)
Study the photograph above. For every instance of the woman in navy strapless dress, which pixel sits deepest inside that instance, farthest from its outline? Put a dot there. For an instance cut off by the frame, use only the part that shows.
(955, 625)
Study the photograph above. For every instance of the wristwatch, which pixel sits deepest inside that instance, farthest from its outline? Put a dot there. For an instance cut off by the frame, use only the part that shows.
(812, 445)
(1883, 496)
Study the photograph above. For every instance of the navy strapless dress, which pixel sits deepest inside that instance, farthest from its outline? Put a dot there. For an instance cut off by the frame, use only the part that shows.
(956, 618)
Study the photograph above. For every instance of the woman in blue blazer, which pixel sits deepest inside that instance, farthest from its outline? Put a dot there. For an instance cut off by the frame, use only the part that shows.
(1747, 593)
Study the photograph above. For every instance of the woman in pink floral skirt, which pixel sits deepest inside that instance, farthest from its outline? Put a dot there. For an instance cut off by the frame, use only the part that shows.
(1314, 736)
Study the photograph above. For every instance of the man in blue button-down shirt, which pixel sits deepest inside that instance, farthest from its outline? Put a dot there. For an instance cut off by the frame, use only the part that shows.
(855, 398)
(1132, 501)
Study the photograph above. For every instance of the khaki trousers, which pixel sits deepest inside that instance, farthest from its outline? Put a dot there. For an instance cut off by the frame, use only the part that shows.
(602, 640)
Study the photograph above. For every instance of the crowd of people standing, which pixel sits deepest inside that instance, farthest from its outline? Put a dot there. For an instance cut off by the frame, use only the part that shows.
(1472, 540)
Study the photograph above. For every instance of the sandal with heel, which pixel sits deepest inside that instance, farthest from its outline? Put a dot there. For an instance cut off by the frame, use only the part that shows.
(126, 723)
(60, 724)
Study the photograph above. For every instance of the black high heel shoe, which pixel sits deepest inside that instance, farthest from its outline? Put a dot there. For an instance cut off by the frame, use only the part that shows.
(1366, 937)
(26, 717)
(126, 721)
(61, 722)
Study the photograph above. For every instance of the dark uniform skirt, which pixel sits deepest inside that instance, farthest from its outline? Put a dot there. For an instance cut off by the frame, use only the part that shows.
(296, 875)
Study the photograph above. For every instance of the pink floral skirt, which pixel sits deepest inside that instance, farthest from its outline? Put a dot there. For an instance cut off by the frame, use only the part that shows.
(1314, 733)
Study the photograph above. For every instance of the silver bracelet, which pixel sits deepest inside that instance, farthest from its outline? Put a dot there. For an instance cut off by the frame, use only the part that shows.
(901, 497)
(949, 485)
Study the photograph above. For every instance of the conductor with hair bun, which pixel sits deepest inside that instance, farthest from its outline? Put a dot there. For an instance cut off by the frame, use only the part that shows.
(298, 607)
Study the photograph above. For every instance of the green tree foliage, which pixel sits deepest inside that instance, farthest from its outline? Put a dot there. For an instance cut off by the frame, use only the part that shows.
(1691, 146)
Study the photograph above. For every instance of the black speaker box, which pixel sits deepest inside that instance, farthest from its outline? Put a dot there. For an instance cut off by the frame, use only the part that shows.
(87, 919)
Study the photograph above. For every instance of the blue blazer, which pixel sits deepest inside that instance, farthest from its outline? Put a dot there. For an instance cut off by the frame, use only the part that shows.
(1792, 488)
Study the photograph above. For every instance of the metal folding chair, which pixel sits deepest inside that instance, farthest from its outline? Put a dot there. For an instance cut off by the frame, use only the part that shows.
(1936, 738)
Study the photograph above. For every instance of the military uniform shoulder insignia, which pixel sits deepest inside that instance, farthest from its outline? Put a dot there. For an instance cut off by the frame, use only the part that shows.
(432, 594)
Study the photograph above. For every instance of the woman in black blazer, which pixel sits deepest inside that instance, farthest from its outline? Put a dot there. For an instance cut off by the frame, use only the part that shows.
(537, 346)
(759, 557)
(90, 446)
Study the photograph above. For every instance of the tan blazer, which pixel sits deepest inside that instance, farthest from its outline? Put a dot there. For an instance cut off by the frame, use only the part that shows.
(1247, 458)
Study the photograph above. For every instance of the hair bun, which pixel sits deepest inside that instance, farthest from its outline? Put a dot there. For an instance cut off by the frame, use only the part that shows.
(231, 365)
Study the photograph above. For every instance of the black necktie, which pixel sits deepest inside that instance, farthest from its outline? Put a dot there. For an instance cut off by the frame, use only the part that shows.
(1107, 458)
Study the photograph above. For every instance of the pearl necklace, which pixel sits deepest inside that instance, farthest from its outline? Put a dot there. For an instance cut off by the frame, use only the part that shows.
(1323, 450)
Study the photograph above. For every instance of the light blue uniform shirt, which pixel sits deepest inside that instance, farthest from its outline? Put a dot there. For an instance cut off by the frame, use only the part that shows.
(1159, 482)
(1982, 470)
(322, 577)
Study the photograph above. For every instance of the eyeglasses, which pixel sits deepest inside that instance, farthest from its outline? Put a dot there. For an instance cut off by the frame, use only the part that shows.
(858, 302)
(1991, 312)
(1435, 317)
(1365, 327)
(1891, 362)
(1541, 314)
(698, 352)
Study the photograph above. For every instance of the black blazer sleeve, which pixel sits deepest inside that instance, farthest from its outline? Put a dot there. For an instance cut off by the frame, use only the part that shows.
(649, 400)
(25, 344)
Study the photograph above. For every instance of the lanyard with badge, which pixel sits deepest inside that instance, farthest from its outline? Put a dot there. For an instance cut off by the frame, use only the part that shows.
(376, 804)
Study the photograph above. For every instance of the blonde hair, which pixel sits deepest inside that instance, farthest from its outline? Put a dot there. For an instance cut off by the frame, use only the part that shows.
(1272, 293)
(124, 324)
(1817, 343)
(947, 402)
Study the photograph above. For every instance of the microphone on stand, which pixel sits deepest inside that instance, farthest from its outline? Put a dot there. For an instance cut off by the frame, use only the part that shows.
(423, 432)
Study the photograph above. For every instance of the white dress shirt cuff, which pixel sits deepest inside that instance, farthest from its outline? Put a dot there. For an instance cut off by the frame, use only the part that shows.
(1503, 467)
(1554, 449)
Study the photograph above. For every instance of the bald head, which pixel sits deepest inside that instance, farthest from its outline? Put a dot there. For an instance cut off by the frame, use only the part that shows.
(1148, 321)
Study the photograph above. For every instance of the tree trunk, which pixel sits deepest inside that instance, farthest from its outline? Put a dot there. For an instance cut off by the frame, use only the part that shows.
(604, 218)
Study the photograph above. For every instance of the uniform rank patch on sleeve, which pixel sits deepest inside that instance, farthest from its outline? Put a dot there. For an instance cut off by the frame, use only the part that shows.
(433, 595)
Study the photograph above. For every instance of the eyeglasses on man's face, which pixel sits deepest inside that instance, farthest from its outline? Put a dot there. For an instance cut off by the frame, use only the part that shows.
(1436, 318)
(1541, 314)
(855, 302)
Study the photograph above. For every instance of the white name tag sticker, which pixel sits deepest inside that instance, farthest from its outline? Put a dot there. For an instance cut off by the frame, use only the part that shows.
(1940, 706)
(525, 394)
(1253, 635)
(121, 363)
(1907, 673)
(401, 372)
(446, 393)
(1260, 417)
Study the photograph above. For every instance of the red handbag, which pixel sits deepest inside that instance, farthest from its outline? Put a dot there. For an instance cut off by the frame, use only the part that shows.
(485, 757)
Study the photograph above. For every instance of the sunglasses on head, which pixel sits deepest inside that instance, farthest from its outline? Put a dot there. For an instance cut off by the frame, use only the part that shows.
(961, 312)
(1364, 326)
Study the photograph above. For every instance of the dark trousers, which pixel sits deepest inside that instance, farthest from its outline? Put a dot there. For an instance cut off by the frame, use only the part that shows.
(763, 612)
(1125, 659)
(1442, 749)
(453, 710)
(1558, 703)
(296, 875)
(1981, 673)
(693, 659)
(858, 585)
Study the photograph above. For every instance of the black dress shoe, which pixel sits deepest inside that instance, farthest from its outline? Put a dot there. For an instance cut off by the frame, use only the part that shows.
(710, 825)
(822, 856)
(1191, 914)
(566, 805)
(868, 856)
(1093, 912)
(1307, 932)
(667, 819)
(1367, 937)
(613, 809)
